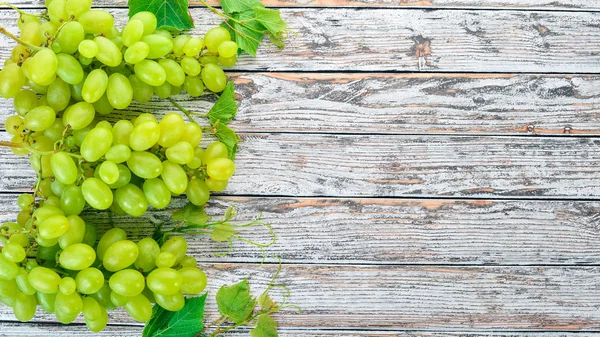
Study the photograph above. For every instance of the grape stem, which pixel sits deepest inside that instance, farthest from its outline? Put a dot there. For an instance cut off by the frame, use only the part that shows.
(187, 112)
(4, 31)
(32, 150)
(223, 15)
(19, 10)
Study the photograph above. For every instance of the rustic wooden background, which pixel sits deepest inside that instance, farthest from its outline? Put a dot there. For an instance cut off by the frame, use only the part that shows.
(431, 168)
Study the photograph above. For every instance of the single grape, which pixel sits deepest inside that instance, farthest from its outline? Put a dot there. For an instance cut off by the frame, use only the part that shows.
(8, 291)
(139, 308)
(25, 101)
(220, 168)
(88, 48)
(175, 74)
(214, 37)
(14, 252)
(180, 153)
(227, 62)
(24, 307)
(163, 91)
(145, 165)
(89, 281)
(127, 282)
(157, 193)
(137, 52)
(25, 201)
(64, 168)
(69, 69)
(96, 143)
(14, 125)
(108, 52)
(120, 255)
(42, 67)
(118, 153)
(214, 78)
(228, 49)
(148, 19)
(43, 279)
(148, 251)
(96, 193)
(133, 32)
(174, 177)
(53, 227)
(214, 151)
(158, 44)
(188, 261)
(76, 230)
(96, 21)
(57, 10)
(164, 281)
(118, 299)
(193, 280)
(46, 301)
(197, 192)
(12, 79)
(94, 86)
(150, 72)
(171, 129)
(177, 246)
(142, 92)
(77, 256)
(70, 36)
(173, 302)
(121, 132)
(91, 309)
(67, 285)
(119, 91)
(75, 8)
(131, 200)
(98, 324)
(79, 115)
(216, 185)
(194, 86)
(193, 46)
(144, 135)
(32, 33)
(67, 306)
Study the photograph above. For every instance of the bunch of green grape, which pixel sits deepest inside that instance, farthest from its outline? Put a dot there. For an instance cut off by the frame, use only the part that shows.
(79, 276)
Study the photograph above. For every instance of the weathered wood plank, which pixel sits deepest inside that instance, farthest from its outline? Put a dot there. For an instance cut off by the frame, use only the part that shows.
(390, 297)
(387, 231)
(403, 103)
(397, 166)
(421, 40)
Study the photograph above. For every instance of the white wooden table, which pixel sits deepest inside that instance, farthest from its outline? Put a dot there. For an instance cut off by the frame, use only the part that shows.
(431, 168)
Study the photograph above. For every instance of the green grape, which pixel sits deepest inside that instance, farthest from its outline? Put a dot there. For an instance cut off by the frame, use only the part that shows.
(96, 193)
(150, 72)
(148, 19)
(24, 307)
(68, 306)
(94, 86)
(197, 192)
(76, 89)
(214, 151)
(96, 143)
(19, 53)
(176, 90)
(42, 67)
(44, 280)
(14, 252)
(14, 125)
(20, 239)
(55, 131)
(192, 134)
(67, 285)
(165, 260)
(70, 36)
(77, 256)
(139, 308)
(216, 185)
(118, 153)
(159, 45)
(191, 66)
(193, 280)
(12, 80)
(69, 69)
(127, 282)
(193, 46)
(188, 261)
(148, 251)
(175, 74)
(215, 37)
(98, 324)
(88, 48)
(171, 129)
(25, 18)
(53, 227)
(117, 299)
(163, 91)
(46, 301)
(85, 61)
(79, 135)
(89, 281)
(173, 302)
(91, 309)
(72, 202)
(108, 172)
(59, 94)
(52, 201)
(39, 89)
(46, 242)
(23, 217)
(96, 21)
(133, 32)
(227, 62)
(75, 8)
(144, 135)
(177, 246)
(220, 168)
(194, 86)
(108, 52)
(164, 281)
(124, 177)
(79, 115)
(76, 230)
(178, 43)
(89, 238)
(111, 236)
(32, 33)
(46, 254)
(209, 59)
(174, 177)
(57, 10)
(131, 200)
(8, 291)
(137, 52)
(157, 193)
(145, 165)
(119, 91)
(214, 78)
(25, 101)
(227, 49)
(48, 29)
(64, 168)
(103, 296)
(142, 92)
(121, 132)
(180, 153)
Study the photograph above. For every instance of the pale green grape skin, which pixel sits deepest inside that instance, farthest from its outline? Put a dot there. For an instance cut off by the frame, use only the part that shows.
(40, 118)
(220, 168)
(103, 296)
(76, 230)
(46, 242)
(89, 238)
(171, 129)
(127, 282)
(164, 281)
(44, 280)
(173, 302)
(12, 80)
(8, 290)
(213, 151)
(197, 192)
(96, 193)
(191, 66)
(139, 308)
(150, 72)
(53, 227)
(24, 307)
(57, 10)
(158, 44)
(77, 256)
(174, 177)
(215, 185)
(178, 43)
(148, 251)
(14, 252)
(76, 89)
(193, 280)
(142, 92)
(31, 33)
(8, 269)
(193, 46)
(157, 193)
(213, 77)
(96, 21)
(124, 177)
(89, 281)
(70, 36)
(194, 86)
(228, 49)
(228, 62)
(46, 301)
(103, 106)
(148, 19)
(118, 299)
(144, 136)
(14, 125)
(180, 153)
(119, 91)
(91, 309)
(59, 94)
(118, 153)
(45, 212)
(177, 246)
(188, 261)
(67, 285)
(77, 7)
(108, 52)
(192, 133)
(79, 115)
(98, 324)
(132, 200)
(214, 37)
(88, 48)
(21, 239)
(69, 69)
(175, 74)
(133, 32)
(209, 59)
(137, 52)
(64, 168)
(94, 86)
(68, 306)
(72, 201)
(121, 132)
(23, 283)
(45, 254)
(96, 143)
(25, 101)
(42, 67)
(163, 91)
(165, 260)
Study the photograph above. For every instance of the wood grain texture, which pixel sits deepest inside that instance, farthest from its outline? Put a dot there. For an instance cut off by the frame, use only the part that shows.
(387, 231)
(397, 166)
(420, 40)
(391, 297)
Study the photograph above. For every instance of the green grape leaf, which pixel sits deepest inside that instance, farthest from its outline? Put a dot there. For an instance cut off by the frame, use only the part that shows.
(186, 322)
(226, 106)
(227, 136)
(170, 14)
(232, 6)
(223, 232)
(265, 301)
(235, 301)
(191, 214)
(247, 35)
(270, 19)
(265, 327)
